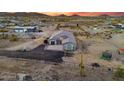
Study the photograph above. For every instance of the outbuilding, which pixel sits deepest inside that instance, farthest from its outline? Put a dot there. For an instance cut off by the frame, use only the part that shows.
(121, 51)
(120, 26)
(24, 29)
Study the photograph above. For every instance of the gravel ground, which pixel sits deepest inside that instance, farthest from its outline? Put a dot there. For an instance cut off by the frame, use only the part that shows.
(67, 70)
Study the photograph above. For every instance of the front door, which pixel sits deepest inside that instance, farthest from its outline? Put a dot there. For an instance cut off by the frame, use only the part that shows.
(52, 42)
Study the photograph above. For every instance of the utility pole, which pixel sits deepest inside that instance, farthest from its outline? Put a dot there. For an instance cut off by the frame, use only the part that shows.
(81, 65)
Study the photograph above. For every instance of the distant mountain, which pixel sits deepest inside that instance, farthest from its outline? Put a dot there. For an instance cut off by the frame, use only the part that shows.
(107, 15)
(62, 15)
(21, 14)
(104, 15)
(45, 15)
(3, 13)
(75, 15)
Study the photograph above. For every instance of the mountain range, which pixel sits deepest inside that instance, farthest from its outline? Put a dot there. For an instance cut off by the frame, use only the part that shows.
(43, 14)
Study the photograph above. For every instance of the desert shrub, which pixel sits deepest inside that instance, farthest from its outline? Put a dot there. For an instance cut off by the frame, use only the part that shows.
(75, 33)
(3, 36)
(13, 38)
(3, 30)
(119, 73)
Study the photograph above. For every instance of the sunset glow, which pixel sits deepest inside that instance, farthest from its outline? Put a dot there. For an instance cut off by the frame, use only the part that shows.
(85, 13)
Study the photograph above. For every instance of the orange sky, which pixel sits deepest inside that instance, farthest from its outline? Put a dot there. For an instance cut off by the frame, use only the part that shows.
(85, 13)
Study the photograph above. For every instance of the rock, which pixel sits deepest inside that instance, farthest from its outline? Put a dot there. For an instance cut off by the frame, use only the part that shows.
(95, 65)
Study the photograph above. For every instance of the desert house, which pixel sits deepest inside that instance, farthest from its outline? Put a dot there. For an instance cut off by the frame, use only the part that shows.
(68, 24)
(24, 29)
(120, 26)
(62, 40)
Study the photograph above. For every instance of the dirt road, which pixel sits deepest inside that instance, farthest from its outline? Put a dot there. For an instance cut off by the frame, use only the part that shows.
(28, 45)
(37, 53)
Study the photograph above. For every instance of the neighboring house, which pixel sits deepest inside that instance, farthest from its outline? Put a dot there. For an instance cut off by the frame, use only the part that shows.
(65, 39)
(121, 26)
(111, 26)
(14, 21)
(24, 29)
(68, 24)
(2, 26)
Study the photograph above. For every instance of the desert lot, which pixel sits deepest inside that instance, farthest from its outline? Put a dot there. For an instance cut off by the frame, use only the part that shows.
(69, 69)
(94, 34)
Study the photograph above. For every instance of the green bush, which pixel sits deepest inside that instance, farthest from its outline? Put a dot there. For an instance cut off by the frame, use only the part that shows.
(3, 30)
(3, 36)
(13, 38)
(119, 73)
